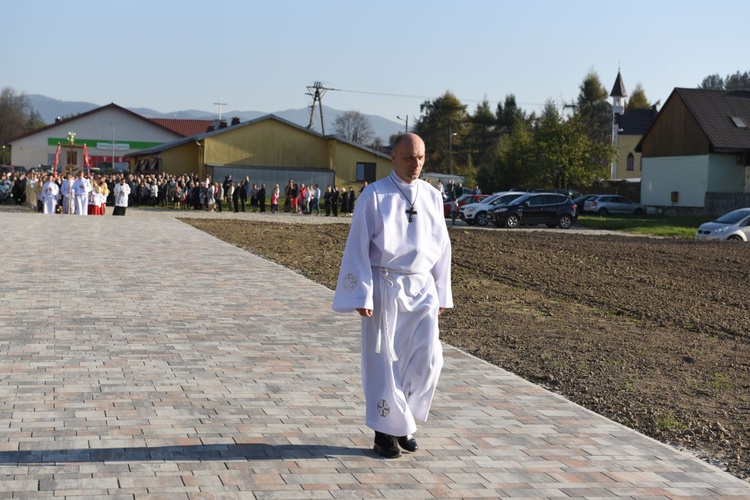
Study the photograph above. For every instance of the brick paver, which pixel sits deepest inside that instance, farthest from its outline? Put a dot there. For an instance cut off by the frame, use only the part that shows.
(141, 358)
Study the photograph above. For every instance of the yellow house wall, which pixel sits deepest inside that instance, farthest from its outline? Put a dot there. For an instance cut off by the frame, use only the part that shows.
(184, 159)
(267, 144)
(625, 145)
(272, 144)
(344, 161)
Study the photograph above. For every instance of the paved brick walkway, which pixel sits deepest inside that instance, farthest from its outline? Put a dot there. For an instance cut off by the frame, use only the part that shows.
(141, 358)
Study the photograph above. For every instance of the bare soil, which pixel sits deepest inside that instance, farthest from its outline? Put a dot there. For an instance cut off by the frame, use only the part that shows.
(652, 333)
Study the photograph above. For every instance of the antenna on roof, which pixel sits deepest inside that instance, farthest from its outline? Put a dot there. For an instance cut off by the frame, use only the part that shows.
(316, 90)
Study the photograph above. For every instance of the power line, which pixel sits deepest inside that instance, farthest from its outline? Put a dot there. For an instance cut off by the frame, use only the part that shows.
(410, 96)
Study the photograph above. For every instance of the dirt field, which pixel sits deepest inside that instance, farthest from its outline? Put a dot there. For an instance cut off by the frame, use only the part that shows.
(652, 333)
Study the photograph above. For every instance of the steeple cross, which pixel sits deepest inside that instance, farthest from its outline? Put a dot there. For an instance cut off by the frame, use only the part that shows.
(220, 104)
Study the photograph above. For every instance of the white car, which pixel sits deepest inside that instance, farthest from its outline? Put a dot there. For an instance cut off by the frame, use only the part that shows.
(734, 226)
(478, 213)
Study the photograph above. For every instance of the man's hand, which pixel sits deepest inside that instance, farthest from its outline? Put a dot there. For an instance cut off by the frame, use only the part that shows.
(367, 313)
(440, 310)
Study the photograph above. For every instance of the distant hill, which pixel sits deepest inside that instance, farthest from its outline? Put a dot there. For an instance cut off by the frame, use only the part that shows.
(50, 109)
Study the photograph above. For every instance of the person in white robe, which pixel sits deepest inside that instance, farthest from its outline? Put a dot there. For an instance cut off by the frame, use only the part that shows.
(122, 191)
(50, 193)
(395, 273)
(81, 190)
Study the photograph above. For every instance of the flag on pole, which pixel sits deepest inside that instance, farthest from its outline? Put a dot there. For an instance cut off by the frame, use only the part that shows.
(86, 158)
(57, 158)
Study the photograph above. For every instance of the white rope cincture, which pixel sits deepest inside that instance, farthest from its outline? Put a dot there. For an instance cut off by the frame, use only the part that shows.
(385, 281)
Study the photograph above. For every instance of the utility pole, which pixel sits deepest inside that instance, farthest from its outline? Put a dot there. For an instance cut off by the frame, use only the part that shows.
(450, 149)
(406, 128)
(316, 91)
(113, 147)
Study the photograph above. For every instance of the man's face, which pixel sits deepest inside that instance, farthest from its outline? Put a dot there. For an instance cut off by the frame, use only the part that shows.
(408, 158)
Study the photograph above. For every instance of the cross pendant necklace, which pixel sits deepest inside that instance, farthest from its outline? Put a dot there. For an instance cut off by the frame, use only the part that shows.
(411, 212)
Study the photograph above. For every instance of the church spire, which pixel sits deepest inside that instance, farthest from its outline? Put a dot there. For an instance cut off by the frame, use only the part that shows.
(618, 95)
(618, 90)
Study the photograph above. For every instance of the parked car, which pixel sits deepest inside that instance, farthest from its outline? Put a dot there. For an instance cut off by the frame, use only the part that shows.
(572, 193)
(551, 209)
(463, 200)
(581, 201)
(612, 204)
(733, 226)
(5, 190)
(477, 213)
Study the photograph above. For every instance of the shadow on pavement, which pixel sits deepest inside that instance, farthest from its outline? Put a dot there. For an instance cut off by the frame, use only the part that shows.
(223, 452)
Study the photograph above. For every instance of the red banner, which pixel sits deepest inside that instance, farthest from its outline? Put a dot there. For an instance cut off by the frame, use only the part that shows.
(86, 163)
(57, 158)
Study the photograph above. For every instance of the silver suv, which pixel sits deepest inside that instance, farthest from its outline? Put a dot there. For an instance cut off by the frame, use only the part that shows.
(478, 213)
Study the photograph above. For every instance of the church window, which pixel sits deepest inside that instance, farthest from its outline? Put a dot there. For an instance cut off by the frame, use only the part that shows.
(631, 162)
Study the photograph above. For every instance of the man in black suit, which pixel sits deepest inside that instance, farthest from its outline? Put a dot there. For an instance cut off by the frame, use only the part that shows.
(261, 196)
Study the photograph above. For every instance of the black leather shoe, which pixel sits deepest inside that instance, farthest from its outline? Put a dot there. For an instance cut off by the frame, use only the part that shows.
(408, 443)
(386, 446)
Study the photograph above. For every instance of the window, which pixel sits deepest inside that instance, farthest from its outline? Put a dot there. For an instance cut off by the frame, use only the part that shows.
(536, 201)
(365, 172)
(631, 163)
(739, 122)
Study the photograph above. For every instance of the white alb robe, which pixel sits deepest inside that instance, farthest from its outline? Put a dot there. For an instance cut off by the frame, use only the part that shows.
(122, 191)
(409, 263)
(50, 192)
(81, 190)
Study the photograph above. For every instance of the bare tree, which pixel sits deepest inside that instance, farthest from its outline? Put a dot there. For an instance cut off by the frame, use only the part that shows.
(16, 115)
(354, 126)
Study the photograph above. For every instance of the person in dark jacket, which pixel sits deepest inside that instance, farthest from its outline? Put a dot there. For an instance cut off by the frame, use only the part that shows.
(261, 196)
(238, 190)
(243, 192)
(335, 201)
(327, 200)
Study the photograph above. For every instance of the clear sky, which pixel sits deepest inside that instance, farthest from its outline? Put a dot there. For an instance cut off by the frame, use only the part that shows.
(385, 57)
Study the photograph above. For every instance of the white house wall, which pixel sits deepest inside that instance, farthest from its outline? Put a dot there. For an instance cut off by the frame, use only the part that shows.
(687, 175)
(34, 149)
(726, 175)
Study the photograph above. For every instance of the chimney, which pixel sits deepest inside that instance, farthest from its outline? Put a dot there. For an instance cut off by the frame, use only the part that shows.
(235, 121)
(222, 124)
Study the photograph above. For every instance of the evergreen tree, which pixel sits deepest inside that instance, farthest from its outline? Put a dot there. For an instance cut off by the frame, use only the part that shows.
(593, 109)
(511, 162)
(737, 81)
(638, 99)
(508, 115)
(443, 125)
(482, 134)
(712, 82)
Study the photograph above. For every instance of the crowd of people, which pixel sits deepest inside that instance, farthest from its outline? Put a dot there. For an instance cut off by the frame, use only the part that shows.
(89, 193)
(50, 193)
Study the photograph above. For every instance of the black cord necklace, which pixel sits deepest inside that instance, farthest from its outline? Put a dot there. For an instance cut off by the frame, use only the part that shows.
(411, 212)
